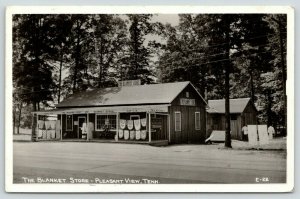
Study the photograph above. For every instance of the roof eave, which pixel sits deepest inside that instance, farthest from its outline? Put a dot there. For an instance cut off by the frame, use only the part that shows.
(189, 83)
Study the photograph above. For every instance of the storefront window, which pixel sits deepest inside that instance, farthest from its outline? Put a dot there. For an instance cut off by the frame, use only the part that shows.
(178, 121)
(69, 121)
(106, 121)
(197, 120)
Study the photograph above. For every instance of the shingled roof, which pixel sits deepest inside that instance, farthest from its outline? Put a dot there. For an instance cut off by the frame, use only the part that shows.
(127, 95)
(236, 105)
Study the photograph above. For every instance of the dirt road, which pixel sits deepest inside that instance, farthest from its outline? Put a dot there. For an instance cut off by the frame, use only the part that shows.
(131, 163)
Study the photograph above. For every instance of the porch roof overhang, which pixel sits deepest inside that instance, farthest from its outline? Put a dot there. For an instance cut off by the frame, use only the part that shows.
(111, 109)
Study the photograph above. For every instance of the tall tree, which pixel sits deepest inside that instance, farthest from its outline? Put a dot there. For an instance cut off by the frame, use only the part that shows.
(278, 23)
(184, 52)
(109, 41)
(32, 73)
(138, 53)
(81, 46)
(60, 33)
(223, 33)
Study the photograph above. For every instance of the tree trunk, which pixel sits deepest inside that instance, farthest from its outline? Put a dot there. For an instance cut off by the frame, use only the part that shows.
(283, 74)
(251, 84)
(227, 109)
(20, 116)
(227, 105)
(269, 110)
(100, 67)
(14, 118)
(33, 131)
(60, 71)
(282, 62)
(77, 53)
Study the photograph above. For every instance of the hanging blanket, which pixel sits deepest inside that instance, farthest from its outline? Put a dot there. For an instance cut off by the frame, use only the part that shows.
(132, 135)
(52, 124)
(263, 134)
(126, 134)
(137, 135)
(44, 134)
(48, 134)
(121, 133)
(143, 134)
(41, 124)
(52, 134)
(122, 124)
(252, 135)
(130, 124)
(137, 124)
(144, 122)
(57, 129)
(84, 128)
(40, 133)
(48, 125)
(90, 130)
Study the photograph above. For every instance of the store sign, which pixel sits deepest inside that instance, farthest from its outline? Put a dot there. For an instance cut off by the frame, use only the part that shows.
(132, 109)
(135, 82)
(156, 123)
(187, 102)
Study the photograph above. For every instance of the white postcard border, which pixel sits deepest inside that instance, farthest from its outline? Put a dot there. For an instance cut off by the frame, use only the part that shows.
(282, 187)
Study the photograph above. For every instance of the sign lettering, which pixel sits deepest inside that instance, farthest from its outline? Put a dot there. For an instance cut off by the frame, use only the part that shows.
(129, 83)
(156, 123)
(187, 102)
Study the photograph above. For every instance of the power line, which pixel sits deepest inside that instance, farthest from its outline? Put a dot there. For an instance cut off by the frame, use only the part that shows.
(251, 38)
(243, 50)
(221, 60)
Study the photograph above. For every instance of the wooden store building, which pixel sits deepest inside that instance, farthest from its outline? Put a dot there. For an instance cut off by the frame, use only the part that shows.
(242, 113)
(168, 112)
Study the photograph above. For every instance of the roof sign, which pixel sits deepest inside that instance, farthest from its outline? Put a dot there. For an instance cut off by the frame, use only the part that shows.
(135, 82)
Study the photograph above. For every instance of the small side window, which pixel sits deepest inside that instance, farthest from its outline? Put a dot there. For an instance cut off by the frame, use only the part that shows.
(187, 94)
(177, 121)
(197, 120)
(69, 121)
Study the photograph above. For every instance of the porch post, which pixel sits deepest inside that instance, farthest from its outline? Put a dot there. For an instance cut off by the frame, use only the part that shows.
(149, 127)
(87, 126)
(61, 118)
(169, 127)
(117, 124)
(36, 128)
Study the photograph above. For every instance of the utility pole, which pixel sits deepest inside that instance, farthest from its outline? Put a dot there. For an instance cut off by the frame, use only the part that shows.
(227, 105)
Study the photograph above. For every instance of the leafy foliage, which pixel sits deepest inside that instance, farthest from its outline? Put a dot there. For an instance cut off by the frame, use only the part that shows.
(57, 55)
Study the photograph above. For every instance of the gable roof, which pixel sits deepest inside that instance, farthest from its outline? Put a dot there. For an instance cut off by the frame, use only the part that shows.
(127, 95)
(236, 105)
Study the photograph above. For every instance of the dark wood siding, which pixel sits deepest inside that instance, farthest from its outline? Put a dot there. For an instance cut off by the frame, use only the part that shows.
(188, 133)
(73, 133)
(216, 121)
(160, 133)
(249, 115)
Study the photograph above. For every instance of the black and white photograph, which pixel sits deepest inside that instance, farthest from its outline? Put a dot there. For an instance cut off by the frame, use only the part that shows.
(149, 99)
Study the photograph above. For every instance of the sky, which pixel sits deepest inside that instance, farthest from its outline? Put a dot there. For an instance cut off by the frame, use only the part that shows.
(173, 19)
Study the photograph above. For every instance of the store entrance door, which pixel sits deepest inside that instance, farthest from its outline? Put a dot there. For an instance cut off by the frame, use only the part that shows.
(81, 120)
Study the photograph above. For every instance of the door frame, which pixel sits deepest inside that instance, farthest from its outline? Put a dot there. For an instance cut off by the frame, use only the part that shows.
(235, 133)
(80, 117)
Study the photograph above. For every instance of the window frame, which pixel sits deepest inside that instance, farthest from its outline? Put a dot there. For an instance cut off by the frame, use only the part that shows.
(106, 116)
(71, 122)
(135, 116)
(187, 94)
(197, 122)
(177, 130)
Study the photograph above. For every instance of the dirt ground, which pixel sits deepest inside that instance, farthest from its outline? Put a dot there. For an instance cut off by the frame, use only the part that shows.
(171, 164)
(278, 143)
